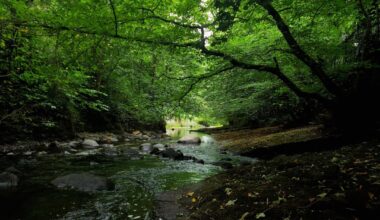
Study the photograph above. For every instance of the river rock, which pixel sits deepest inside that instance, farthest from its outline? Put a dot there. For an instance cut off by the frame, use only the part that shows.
(107, 145)
(194, 159)
(137, 133)
(93, 163)
(72, 150)
(41, 153)
(53, 148)
(109, 139)
(160, 146)
(90, 144)
(87, 152)
(27, 153)
(131, 153)
(84, 182)
(155, 151)
(74, 144)
(146, 147)
(111, 151)
(190, 139)
(145, 137)
(66, 153)
(8, 180)
(172, 154)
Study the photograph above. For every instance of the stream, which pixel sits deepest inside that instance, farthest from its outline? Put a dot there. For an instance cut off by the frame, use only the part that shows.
(137, 181)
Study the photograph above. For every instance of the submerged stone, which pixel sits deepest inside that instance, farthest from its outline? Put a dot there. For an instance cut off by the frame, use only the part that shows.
(172, 154)
(160, 146)
(84, 182)
(146, 147)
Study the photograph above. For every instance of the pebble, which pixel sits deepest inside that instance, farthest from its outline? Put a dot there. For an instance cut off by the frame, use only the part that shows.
(28, 153)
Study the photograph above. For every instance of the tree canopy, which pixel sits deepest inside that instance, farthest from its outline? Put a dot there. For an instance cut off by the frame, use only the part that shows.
(135, 63)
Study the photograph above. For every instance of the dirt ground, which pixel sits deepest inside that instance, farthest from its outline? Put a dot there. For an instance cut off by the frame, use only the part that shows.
(342, 183)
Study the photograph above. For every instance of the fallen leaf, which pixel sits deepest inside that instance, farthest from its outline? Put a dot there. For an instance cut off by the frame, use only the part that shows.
(260, 215)
(322, 195)
(243, 216)
(339, 195)
(190, 194)
(231, 202)
(371, 196)
(228, 191)
(193, 200)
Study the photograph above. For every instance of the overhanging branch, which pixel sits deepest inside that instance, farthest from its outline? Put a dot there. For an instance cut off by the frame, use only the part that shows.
(315, 67)
(201, 78)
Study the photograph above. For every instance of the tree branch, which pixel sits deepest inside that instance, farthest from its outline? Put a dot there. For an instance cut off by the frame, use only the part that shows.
(191, 26)
(294, 88)
(81, 30)
(201, 46)
(314, 66)
(201, 78)
(5, 76)
(114, 16)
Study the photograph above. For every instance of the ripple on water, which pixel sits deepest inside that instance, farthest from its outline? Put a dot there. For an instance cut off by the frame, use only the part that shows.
(136, 183)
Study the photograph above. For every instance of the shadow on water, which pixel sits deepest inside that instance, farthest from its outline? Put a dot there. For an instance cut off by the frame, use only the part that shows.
(136, 182)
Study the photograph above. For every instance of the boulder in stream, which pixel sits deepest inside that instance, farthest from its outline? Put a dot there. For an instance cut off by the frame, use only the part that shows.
(190, 139)
(160, 146)
(146, 147)
(155, 151)
(53, 147)
(90, 144)
(84, 182)
(74, 144)
(172, 154)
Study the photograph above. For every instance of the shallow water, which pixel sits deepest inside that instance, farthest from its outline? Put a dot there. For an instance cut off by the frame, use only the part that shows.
(136, 183)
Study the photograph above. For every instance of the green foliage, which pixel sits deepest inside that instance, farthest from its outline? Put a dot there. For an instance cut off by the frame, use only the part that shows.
(71, 64)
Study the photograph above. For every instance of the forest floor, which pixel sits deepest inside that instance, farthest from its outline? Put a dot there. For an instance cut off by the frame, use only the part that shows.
(339, 183)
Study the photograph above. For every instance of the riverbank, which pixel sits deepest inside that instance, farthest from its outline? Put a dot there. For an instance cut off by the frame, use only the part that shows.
(339, 183)
(85, 140)
(269, 142)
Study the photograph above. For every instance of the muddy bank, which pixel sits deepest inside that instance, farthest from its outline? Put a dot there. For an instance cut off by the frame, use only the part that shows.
(337, 184)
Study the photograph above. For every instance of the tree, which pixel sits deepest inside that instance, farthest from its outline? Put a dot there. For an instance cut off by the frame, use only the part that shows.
(145, 58)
